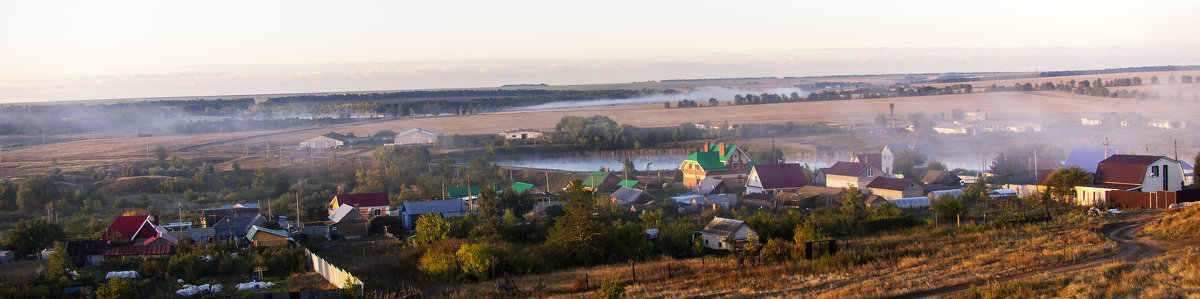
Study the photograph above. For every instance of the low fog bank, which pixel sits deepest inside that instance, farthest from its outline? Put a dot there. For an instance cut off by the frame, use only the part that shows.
(702, 95)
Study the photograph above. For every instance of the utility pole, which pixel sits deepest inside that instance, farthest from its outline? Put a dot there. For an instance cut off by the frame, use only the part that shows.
(1105, 147)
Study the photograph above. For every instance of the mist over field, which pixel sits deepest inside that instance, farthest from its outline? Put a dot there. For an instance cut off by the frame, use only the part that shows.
(702, 94)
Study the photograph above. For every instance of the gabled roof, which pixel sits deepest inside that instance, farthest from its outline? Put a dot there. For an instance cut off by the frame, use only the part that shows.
(434, 206)
(709, 161)
(521, 188)
(460, 192)
(729, 150)
(933, 176)
(847, 168)
(628, 195)
(723, 227)
(236, 224)
(628, 183)
(887, 183)
(781, 176)
(364, 200)
(347, 213)
(708, 184)
(875, 159)
(336, 136)
(157, 241)
(257, 229)
(1087, 159)
(595, 179)
(1124, 169)
(417, 130)
(128, 226)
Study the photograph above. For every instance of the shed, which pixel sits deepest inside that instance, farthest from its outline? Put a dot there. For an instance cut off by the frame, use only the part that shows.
(628, 196)
(265, 237)
(348, 222)
(719, 230)
(86, 252)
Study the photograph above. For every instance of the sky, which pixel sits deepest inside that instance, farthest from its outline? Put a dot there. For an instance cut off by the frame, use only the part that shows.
(77, 50)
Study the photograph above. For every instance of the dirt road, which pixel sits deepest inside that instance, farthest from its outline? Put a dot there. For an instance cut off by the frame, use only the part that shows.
(1132, 248)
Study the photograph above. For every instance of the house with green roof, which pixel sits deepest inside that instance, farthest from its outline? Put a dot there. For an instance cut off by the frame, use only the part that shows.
(519, 187)
(717, 160)
(601, 181)
(461, 192)
(628, 183)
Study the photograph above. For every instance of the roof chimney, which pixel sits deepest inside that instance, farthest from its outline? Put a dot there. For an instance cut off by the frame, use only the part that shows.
(706, 146)
(721, 147)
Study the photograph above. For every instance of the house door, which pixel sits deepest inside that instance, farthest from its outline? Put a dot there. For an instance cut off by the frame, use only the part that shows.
(1165, 174)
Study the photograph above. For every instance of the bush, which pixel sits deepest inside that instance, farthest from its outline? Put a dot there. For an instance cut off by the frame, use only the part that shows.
(116, 288)
(611, 288)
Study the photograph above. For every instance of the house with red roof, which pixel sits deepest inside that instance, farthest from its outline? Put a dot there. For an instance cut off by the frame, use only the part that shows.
(775, 178)
(369, 204)
(1131, 173)
(722, 161)
(131, 228)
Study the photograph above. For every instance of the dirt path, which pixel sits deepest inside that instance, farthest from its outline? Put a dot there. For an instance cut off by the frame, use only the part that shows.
(1132, 248)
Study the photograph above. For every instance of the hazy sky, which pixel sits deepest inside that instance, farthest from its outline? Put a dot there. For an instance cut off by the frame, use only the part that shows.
(70, 50)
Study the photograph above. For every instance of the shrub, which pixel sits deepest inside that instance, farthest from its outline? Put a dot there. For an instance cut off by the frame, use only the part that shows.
(116, 288)
(611, 288)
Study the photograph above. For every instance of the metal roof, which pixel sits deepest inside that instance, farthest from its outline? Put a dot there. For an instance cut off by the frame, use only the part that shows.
(435, 206)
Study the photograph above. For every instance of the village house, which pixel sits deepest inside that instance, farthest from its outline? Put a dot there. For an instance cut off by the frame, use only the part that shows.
(809, 197)
(601, 181)
(626, 196)
(711, 186)
(952, 129)
(1090, 122)
(873, 159)
(1131, 173)
(235, 226)
(460, 192)
(138, 251)
(1166, 124)
(893, 188)
(131, 228)
(443, 208)
(369, 204)
(720, 231)
(415, 136)
(327, 141)
(721, 161)
(209, 217)
(940, 179)
(265, 237)
(843, 174)
(695, 203)
(774, 178)
(348, 223)
(522, 134)
(891, 149)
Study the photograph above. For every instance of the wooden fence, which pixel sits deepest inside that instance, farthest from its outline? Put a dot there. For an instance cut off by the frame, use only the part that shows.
(1152, 200)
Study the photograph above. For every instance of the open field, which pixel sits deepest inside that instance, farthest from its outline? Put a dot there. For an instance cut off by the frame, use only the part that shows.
(896, 263)
(1173, 274)
(1051, 109)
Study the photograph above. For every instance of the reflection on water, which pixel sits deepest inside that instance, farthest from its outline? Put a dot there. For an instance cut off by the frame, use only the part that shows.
(586, 162)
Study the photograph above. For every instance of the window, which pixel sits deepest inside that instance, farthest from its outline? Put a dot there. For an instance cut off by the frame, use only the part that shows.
(1154, 171)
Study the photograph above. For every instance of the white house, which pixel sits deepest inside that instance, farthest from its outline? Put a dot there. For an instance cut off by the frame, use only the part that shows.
(415, 136)
(1089, 122)
(1131, 173)
(720, 229)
